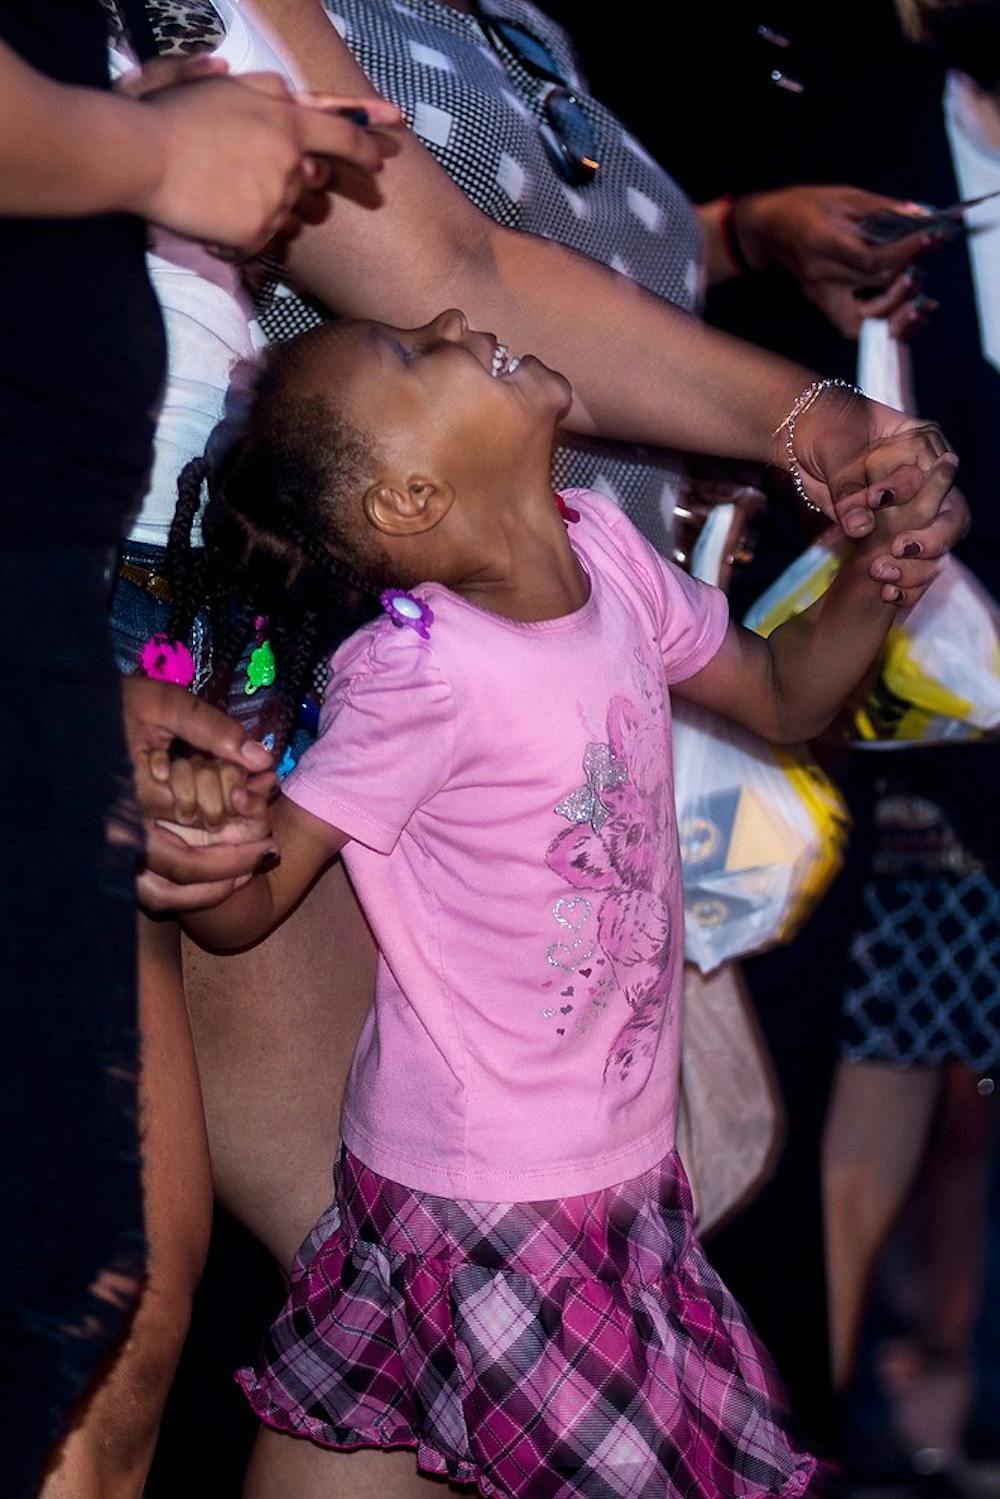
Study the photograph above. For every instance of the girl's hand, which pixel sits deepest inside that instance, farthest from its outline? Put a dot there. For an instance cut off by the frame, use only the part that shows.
(891, 555)
(205, 792)
(156, 714)
(856, 456)
(192, 868)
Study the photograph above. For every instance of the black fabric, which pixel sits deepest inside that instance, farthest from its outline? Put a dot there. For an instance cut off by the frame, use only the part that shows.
(81, 360)
(724, 124)
(81, 342)
(70, 1203)
(140, 28)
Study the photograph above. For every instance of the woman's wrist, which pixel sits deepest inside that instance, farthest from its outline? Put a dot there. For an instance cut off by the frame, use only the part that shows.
(746, 233)
(803, 454)
(123, 150)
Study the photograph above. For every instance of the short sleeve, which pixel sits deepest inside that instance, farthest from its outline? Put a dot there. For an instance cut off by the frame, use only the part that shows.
(695, 621)
(386, 738)
(691, 617)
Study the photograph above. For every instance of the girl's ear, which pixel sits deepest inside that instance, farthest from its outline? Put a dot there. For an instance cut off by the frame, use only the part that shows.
(410, 509)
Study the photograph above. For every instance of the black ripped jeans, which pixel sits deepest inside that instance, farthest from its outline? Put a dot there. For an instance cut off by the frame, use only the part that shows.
(70, 1192)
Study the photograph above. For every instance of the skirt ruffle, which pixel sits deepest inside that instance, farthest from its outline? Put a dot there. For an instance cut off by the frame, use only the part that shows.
(537, 1350)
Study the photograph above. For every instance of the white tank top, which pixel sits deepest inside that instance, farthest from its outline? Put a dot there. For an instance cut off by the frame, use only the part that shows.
(212, 338)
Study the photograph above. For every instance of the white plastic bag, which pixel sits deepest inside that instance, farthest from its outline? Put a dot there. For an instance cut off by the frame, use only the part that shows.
(762, 829)
(762, 833)
(940, 673)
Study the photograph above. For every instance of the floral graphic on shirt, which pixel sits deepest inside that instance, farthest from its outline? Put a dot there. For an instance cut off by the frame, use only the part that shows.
(617, 853)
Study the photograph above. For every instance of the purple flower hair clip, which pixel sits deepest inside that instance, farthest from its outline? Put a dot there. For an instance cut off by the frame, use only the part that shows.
(403, 609)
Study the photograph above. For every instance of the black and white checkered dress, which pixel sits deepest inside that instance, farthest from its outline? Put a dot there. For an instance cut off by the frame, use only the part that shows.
(477, 112)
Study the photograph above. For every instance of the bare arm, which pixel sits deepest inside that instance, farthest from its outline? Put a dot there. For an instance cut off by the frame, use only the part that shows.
(68, 151)
(307, 846)
(640, 369)
(789, 687)
(216, 159)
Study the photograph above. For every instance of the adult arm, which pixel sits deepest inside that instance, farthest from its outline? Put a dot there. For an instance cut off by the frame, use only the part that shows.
(218, 159)
(640, 369)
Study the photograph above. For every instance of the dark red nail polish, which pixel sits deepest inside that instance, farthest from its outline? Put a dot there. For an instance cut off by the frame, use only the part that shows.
(886, 497)
(912, 549)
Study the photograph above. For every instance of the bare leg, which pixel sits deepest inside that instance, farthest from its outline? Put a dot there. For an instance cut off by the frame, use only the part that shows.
(875, 1136)
(274, 1031)
(283, 1465)
(952, 1218)
(110, 1448)
(932, 1397)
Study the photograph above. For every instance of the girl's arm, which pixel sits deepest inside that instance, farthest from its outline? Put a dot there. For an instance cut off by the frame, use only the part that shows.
(307, 846)
(641, 370)
(789, 687)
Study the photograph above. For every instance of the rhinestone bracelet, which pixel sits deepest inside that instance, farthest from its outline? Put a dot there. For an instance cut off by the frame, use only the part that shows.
(800, 405)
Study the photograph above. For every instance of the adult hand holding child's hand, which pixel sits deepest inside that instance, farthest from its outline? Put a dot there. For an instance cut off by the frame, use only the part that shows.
(208, 829)
(231, 787)
(856, 456)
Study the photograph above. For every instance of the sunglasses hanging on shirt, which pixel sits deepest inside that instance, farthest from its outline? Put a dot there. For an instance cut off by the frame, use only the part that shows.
(566, 132)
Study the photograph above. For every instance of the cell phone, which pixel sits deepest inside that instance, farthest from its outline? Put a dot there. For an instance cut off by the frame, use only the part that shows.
(888, 225)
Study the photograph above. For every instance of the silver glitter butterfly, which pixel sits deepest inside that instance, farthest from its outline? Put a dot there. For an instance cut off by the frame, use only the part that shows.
(603, 773)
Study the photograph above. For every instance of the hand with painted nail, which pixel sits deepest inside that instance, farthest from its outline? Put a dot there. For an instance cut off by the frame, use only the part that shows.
(856, 456)
(903, 302)
(813, 233)
(904, 552)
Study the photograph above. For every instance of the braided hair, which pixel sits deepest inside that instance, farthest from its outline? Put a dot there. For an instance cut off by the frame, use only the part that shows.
(279, 541)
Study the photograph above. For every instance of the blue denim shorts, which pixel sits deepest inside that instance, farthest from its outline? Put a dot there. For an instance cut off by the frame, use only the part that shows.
(137, 613)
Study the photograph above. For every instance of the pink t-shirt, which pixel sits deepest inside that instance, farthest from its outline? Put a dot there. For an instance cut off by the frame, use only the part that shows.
(509, 793)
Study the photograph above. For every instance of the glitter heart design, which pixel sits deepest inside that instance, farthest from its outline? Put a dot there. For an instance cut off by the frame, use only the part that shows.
(566, 955)
(565, 1009)
(565, 910)
(548, 1014)
(586, 972)
(560, 1031)
(564, 992)
(572, 913)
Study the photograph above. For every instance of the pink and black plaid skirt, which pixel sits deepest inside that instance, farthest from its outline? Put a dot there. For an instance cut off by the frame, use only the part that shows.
(538, 1350)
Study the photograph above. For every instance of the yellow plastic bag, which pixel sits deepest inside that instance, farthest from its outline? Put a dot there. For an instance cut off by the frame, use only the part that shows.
(762, 833)
(940, 674)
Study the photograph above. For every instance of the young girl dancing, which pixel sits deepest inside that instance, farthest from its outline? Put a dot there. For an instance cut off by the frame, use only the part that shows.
(507, 1281)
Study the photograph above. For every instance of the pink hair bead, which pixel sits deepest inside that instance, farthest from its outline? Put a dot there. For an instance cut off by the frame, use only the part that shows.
(167, 660)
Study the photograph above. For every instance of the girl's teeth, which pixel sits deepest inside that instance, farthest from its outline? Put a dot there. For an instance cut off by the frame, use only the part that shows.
(499, 360)
(513, 364)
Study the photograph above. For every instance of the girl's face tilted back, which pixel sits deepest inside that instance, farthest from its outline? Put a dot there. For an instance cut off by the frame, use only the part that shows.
(460, 441)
